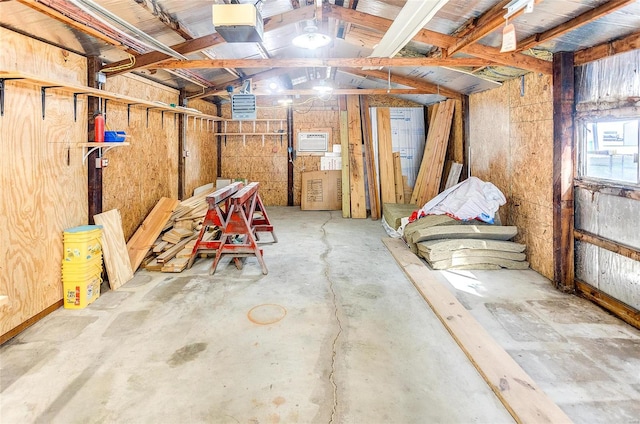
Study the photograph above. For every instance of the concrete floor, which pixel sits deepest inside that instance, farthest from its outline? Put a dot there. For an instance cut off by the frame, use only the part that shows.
(335, 333)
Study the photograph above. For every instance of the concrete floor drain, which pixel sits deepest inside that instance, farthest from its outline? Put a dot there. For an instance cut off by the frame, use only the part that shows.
(266, 314)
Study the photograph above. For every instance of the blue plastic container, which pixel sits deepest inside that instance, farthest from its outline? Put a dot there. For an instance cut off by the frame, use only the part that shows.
(114, 136)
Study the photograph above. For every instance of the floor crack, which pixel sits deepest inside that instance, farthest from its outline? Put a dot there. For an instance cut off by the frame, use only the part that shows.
(323, 257)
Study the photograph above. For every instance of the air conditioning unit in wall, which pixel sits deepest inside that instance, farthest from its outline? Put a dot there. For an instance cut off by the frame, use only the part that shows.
(313, 142)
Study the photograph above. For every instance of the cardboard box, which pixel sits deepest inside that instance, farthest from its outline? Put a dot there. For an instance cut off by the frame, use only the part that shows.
(321, 191)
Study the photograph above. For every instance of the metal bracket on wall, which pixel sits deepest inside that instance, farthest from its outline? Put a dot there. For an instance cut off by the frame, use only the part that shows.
(75, 106)
(2, 80)
(43, 94)
(100, 146)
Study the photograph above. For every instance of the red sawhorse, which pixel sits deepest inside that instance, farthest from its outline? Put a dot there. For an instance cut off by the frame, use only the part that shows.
(219, 203)
(245, 217)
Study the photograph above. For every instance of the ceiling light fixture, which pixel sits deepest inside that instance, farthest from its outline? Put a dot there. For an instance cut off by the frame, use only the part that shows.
(310, 38)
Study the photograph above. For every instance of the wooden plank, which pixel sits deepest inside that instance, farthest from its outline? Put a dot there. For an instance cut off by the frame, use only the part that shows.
(610, 245)
(623, 311)
(173, 251)
(149, 230)
(385, 156)
(454, 175)
(346, 186)
(430, 173)
(398, 177)
(176, 265)
(370, 162)
(356, 162)
(563, 166)
(114, 248)
(519, 394)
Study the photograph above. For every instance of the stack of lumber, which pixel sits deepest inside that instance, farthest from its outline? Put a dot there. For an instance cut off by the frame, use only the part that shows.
(171, 250)
(431, 168)
(446, 243)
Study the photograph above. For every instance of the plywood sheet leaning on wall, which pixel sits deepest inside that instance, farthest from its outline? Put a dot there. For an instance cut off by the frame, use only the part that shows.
(114, 248)
(430, 174)
(149, 230)
(356, 163)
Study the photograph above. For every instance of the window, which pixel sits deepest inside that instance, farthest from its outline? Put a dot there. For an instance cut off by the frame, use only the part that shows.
(608, 150)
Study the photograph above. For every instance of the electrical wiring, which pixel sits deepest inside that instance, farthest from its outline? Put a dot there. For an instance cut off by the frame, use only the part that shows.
(132, 61)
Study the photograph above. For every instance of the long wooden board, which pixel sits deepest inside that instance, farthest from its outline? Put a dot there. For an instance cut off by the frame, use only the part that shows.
(370, 161)
(114, 248)
(398, 179)
(346, 185)
(385, 156)
(356, 162)
(519, 394)
(430, 173)
(147, 233)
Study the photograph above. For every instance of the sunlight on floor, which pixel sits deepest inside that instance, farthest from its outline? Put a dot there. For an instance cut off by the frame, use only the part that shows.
(465, 281)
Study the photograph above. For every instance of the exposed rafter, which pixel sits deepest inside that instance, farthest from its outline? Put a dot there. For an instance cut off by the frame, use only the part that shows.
(583, 19)
(516, 60)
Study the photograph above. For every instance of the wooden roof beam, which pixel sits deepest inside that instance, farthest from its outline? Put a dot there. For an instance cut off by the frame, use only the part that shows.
(417, 84)
(622, 45)
(309, 62)
(516, 60)
(583, 19)
(486, 23)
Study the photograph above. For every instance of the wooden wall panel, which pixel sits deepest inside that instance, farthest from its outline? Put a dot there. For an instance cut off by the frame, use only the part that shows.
(256, 158)
(202, 162)
(42, 179)
(511, 145)
(140, 174)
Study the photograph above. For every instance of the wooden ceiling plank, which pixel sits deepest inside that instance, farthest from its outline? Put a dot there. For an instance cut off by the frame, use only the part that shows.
(306, 62)
(570, 25)
(622, 45)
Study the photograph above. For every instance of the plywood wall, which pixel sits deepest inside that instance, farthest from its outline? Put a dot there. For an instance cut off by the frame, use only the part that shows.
(43, 182)
(201, 164)
(511, 145)
(140, 174)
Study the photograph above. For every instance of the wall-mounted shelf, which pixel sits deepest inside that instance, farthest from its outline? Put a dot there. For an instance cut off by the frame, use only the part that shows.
(281, 131)
(77, 90)
(92, 147)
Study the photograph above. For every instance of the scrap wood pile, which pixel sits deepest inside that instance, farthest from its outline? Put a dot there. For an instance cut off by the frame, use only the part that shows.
(171, 250)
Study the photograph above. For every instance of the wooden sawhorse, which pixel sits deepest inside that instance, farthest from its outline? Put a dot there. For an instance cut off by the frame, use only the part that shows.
(219, 203)
(239, 234)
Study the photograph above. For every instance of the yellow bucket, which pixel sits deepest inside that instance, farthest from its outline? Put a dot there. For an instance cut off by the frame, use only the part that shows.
(82, 243)
(78, 293)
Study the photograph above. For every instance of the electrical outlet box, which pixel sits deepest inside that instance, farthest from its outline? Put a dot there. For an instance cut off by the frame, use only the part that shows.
(102, 162)
(101, 78)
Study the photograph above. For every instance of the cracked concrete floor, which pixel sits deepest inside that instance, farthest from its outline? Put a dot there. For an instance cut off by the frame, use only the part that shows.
(335, 333)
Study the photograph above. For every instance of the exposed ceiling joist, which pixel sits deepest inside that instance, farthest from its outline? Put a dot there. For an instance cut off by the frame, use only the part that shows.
(578, 21)
(338, 92)
(407, 81)
(305, 62)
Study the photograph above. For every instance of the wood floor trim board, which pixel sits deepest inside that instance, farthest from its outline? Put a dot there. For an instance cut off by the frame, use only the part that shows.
(519, 394)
